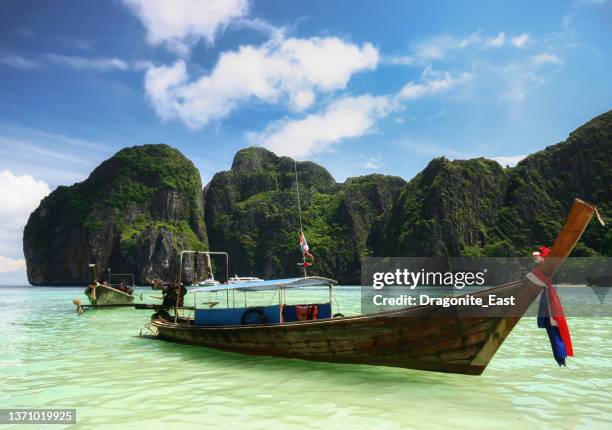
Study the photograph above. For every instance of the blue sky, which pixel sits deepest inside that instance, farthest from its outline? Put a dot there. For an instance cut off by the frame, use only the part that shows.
(359, 87)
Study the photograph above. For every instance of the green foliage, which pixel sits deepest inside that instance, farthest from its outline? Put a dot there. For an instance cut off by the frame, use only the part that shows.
(476, 208)
(251, 211)
(129, 198)
(459, 207)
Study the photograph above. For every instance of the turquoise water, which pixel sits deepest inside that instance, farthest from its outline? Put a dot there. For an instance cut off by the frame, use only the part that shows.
(98, 364)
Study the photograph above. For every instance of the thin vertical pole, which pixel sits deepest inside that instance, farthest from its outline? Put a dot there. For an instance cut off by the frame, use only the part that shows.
(297, 192)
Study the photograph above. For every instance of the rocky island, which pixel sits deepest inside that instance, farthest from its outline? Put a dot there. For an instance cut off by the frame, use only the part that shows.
(138, 209)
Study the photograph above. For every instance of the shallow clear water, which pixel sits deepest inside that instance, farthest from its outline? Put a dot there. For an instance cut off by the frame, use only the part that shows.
(98, 364)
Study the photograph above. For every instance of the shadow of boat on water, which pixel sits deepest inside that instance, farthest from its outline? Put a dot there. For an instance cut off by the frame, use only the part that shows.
(345, 374)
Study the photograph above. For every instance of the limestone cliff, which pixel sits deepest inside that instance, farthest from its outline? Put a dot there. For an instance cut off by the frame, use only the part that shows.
(134, 214)
(251, 211)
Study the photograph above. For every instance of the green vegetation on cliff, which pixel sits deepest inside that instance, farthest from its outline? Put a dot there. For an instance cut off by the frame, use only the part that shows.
(444, 209)
(473, 207)
(251, 211)
(138, 209)
(139, 206)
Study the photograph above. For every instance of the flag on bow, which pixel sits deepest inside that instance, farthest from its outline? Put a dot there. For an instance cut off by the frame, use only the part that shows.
(552, 318)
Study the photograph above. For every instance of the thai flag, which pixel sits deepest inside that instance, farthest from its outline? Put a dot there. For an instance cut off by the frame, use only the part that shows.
(303, 244)
(305, 252)
(552, 318)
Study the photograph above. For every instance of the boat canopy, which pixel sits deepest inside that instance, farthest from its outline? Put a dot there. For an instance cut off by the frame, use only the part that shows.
(272, 284)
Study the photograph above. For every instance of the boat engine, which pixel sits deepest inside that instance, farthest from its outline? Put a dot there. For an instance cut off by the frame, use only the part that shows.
(170, 293)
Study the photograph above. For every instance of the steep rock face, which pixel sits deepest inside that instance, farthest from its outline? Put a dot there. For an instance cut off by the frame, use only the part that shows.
(251, 212)
(137, 210)
(541, 189)
(447, 207)
(134, 214)
(474, 207)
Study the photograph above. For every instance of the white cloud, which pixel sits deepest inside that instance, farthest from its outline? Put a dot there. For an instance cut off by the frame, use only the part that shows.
(430, 149)
(288, 70)
(19, 195)
(441, 48)
(349, 117)
(8, 265)
(369, 162)
(545, 58)
(18, 62)
(179, 24)
(438, 47)
(508, 160)
(433, 82)
(520, 41)
(99, 64)
(526, 74)
(59, 159)
(498, 40)
(400, 60)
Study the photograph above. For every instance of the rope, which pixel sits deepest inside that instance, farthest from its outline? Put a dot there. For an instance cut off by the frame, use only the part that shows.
(573, 366)
(272, 299)
(580, 373)
(336, 300)
(297, 192)
(599, 218)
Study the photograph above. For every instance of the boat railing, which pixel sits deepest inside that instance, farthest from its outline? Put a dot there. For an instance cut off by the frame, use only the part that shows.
(207, 254)
(236, 306)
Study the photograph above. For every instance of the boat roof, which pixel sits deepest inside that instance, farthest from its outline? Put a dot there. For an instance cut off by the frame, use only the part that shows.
(272, 284)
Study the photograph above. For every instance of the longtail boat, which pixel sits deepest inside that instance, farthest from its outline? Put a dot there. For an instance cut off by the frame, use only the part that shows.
(109, 293)
(454, 339)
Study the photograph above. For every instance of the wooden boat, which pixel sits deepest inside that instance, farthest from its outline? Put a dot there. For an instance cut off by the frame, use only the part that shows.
(107, 293)
(455, 339)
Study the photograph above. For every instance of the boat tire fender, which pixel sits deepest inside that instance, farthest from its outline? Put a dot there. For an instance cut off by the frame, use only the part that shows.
(253, 316)
(338, 315)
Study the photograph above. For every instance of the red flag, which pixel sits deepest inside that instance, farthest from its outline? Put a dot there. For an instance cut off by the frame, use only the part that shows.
(556, 311)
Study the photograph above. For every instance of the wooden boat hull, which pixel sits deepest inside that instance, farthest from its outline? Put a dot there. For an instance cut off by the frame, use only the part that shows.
(455, 339)
(106, 295)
